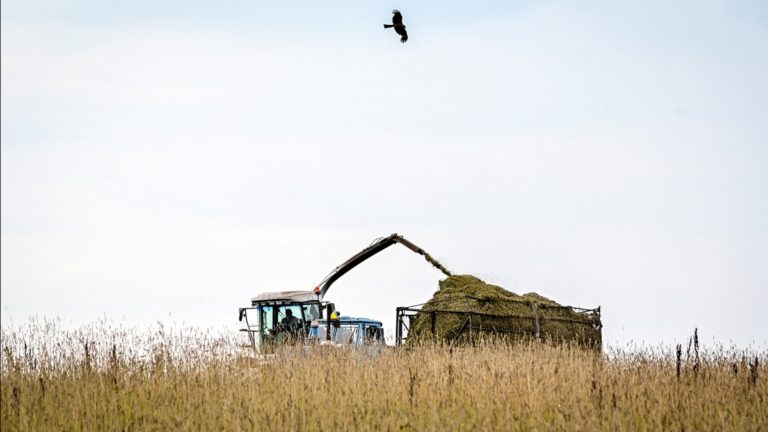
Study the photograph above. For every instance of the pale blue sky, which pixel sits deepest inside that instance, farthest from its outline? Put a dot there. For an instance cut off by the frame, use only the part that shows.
(179, 157)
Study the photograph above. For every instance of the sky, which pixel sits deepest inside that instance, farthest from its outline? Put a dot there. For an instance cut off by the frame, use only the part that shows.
(167, 161)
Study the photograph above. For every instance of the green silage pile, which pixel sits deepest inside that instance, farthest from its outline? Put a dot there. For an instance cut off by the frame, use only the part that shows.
(465, 307)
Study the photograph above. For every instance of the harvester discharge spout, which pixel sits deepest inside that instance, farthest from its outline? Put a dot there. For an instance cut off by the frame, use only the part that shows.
(377, 246)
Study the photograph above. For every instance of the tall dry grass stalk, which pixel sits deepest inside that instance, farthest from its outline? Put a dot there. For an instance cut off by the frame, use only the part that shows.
(110, 378)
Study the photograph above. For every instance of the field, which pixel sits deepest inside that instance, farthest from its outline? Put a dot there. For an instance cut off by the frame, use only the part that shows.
(105, 377)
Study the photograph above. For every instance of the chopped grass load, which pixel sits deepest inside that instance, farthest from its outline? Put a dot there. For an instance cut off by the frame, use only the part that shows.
(465, 305)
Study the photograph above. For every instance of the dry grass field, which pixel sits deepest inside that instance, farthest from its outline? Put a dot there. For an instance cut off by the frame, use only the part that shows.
(109, 378)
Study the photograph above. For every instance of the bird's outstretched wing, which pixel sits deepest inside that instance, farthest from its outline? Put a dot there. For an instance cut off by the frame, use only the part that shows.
(397, 18)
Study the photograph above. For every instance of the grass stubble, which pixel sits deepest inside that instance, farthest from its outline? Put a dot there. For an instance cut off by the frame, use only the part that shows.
(103, 377)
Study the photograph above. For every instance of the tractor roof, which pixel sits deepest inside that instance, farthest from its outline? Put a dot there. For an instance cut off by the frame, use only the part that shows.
(291, 296)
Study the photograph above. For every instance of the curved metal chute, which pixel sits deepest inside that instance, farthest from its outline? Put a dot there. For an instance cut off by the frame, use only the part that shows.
(377, 246)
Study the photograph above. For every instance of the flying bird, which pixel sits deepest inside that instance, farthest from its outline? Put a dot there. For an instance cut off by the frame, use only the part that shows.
(397, 23)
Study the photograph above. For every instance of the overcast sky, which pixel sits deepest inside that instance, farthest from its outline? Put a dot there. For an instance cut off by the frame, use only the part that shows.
(169, 160)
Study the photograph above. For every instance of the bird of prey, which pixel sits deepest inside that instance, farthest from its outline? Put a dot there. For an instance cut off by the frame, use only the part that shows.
(397, 23)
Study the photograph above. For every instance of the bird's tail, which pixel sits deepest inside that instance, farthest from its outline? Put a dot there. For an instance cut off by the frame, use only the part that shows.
(388, 25)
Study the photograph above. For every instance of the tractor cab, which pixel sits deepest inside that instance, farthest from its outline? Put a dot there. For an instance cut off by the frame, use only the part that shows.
(277, 318)
(299, 317)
